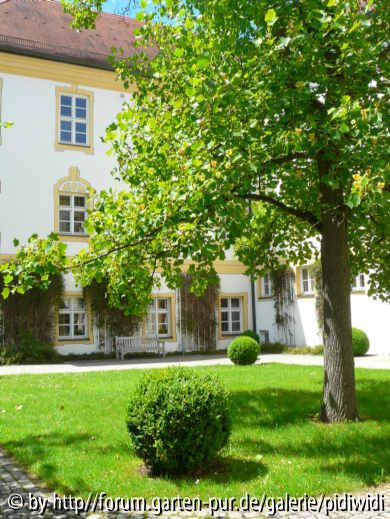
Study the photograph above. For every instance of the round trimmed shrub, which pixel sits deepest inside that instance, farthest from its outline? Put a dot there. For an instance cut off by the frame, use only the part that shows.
(178, 420)
(243, 350)
(360, 342)
(251, 333)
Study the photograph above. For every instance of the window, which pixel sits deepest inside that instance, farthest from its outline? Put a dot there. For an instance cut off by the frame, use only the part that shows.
(72, 200)
(266, 286)
(231, 315)
(72, 214)
(359, 283)
(74, 119)
(307, 282)
(159, 318)
(72, 319)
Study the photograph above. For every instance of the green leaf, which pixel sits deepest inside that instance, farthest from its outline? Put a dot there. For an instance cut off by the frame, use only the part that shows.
(8, 279)
(16, 242)
(270, 17)
(354, 200)
(203, 62)
(5, 292)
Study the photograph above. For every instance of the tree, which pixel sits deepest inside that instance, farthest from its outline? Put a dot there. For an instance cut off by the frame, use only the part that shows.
(277, 104)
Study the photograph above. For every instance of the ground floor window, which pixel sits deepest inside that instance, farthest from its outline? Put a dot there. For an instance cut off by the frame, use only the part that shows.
(73, 319)
(159, 317)
(307, 281)
(231, 315)
(359, 283)
(266, 286)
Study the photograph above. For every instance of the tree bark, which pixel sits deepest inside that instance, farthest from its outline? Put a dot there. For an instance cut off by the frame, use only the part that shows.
(339, 397)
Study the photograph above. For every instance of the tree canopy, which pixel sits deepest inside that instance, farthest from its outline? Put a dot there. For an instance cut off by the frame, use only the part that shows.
(240, 104)
(259, 126)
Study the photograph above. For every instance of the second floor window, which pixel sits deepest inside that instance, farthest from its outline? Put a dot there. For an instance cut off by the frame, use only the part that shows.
(74, 120)
(72, 214)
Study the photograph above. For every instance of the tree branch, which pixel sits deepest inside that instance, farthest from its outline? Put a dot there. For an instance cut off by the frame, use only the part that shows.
(282, 159)
(307, 216)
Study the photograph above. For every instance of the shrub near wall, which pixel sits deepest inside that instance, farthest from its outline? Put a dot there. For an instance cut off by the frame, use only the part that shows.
(243, 350)
(178, 420)
(252, 334)
(360, 342)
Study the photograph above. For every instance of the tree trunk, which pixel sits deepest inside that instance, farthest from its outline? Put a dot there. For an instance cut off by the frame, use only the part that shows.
(339, 398)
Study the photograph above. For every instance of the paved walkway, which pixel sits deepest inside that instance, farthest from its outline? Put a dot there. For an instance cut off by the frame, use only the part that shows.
(16, 489)
(368, 361)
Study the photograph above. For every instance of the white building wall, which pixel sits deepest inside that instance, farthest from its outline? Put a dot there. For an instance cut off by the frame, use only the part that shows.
(29, 163)
(30, 166)
(368, 314)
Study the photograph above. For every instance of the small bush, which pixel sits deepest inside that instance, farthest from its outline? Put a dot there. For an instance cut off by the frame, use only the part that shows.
(28, 350)
(178, 420)
(95, 355)
(276, 347)
(273, 347)
(251, 333)
(360, 342)
(243, 350)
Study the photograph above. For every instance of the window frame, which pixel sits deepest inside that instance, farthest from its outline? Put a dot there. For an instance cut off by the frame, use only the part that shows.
(72, 184)
(87, 337)
(359, 286)
(72, 209)
(74, 93)
(243, 296)
(310, 281)
(171, 299)
(270, 291)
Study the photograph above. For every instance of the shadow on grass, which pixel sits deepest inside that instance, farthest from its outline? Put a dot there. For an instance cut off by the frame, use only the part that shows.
(276, 406)
(37, 448)
(261, 420)
(224, 469)
(363, 447)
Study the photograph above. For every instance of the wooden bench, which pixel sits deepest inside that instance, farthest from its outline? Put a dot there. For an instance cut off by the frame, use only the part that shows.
(138, 344)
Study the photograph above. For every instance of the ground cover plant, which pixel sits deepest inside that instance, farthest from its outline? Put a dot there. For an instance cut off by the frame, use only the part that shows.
(70, 430)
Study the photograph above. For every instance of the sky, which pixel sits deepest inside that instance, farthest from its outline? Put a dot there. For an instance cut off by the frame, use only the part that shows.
(120, 7)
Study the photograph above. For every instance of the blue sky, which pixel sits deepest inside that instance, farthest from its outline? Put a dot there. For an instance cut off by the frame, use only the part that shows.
(120, 7)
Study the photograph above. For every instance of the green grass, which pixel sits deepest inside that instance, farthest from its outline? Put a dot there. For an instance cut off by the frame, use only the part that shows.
(71, 432)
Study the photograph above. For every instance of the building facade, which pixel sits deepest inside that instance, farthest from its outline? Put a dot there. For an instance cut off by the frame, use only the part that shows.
(58, 89)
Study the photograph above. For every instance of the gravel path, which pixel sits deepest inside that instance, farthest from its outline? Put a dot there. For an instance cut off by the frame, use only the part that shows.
(368, 361)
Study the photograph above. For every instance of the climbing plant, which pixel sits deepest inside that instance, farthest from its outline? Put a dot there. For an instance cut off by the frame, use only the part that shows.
(110, 321)
(282, 282)
(198, 320)
(31, 314)
(318, 294)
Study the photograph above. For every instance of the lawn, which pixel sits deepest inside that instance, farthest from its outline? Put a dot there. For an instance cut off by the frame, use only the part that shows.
(70, 431)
